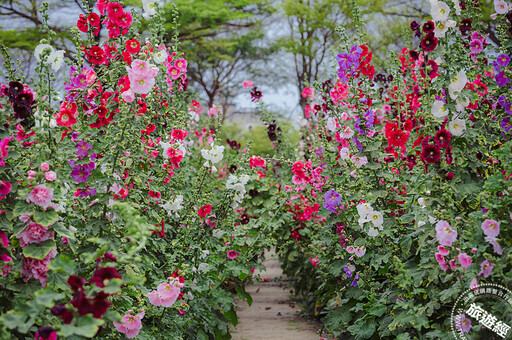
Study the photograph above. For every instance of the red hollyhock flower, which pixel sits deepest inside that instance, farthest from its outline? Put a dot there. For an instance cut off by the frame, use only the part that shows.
(449, 155)
(429, 26)
(113, 29)
(66, 118)
(442, 138)
(102, 276)
(127, 57)
(94, 19)
(398, 138)
(96, 55)
(125, 20)
(179, 134)
(101, 111)
(154, 194)
(82, 23)
(431, 68)
(205, 210)
(114, 11)
(76, 283)
(430, 154)
(429, 42)
(132, 46)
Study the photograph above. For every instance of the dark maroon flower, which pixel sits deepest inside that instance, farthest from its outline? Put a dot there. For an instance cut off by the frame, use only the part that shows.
(65, 315)
(442, 138)
(232, 169)
(414, 25)
(103, 275)
(465, 25)
(431, 69)
(418, 34)
(429, 26)
(15, 88)
(24, 99)
(429, 42)
(430, 154)
(449, 176)
(414, 55)
(109, 257)
(509, 17)
(46, 333)
(255, 94)
(244, 219)
(76, 283)
(97, 306)
(449, 155)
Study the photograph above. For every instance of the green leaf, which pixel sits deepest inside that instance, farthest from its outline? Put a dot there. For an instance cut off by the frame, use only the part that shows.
(87, 326)
(39, 250)
(21, 208)
(63, 263)
(12, 319)
(5, 225)
(47, 297)
(62, 231)
(362, 332)
(45, 218)
(400, 320)
(113, 286)
(378, 310)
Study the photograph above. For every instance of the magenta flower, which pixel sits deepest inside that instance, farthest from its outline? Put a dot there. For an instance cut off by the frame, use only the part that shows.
(441, 261)
(41, 196)
(82, 149)
(4, 240)
(5, 258)
(496, 246)
(3, 149)
(464, 259)
(462, 323)
(445, 234)
(34, 233)
(50, 176)
(5, 187)
(491, 228)
(130, 324)
(486, 268)
(232, 254)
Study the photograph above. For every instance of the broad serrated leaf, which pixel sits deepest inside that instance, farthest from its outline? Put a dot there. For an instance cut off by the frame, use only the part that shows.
(39, 250)
(45, 218)
(21, 208)
(87, 326)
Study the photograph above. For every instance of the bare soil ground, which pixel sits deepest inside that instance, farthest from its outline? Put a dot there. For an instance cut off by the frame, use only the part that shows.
(272, 315)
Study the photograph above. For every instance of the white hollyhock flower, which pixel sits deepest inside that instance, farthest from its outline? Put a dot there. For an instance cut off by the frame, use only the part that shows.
(344, 153)
(456, 4)
(376, 218)
(432, 219)
(174, 206)
(421, 201)
(56, 59)
(364, 209)
(373, 232)
(214, 155)
(501, 7)
(160, 56)
(438, 109)
(217, 233)
(359, 161)
(440, 11)
(457, 126)
(442, 27)
(332, 123)
(457, 83)
(149, 7)
(462, 103)
(41, 49)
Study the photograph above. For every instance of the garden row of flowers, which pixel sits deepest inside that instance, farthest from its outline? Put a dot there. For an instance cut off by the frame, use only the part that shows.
(122, 213)
(401, 199)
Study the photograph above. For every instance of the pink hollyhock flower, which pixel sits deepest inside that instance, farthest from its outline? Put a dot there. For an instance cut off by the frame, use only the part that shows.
(46, 333)
(462, 323)
(128, 96)
(486, 268)
(5, 258)
(214, 111)
(41, 196)
(181, 64)
(491, 228)
(3, 149)
(50, 176)
(359, 161)
(351, 249)
(360, 251)
(445, 234)
(441, 261)
(130, 324)
(473, 284)
(256, 161)
(442, 250)
(4, 239)
(314, 261)
(168, 294)
(205, 210)
(307, 92)
(6, 269)
(465, 260)
(5, 187)
(174, 72)
(494, 242)
(247, 84)
(45, 167)
(232, 254)
(34, 233)
(154, 299)
(141, 84)
(37, 269)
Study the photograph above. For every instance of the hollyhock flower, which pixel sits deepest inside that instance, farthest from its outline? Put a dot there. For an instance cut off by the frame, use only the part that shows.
(34, 233)
(205, 210)
(181, 64)
(168, 293)
(3, 149)
(473, 284)
(441, 261)
(506, 124)
(398, 138)
(247, 84)
(46, 333)
(503, 60)
(349, 270)
(114, 10)
(130, 324)
(332, 123)
(37, 269)
(351, 249)
(41, 196)
(442, 250)
(486, 268)
(462, 323)
(102, 276)
(359, 161)
(45, 167)
(256, 161)
(96, 55)
(314, 261)
(5, 258)
(501, 7)
(232, 254)
(256, 94)
(464, 259)
(3, 239)
(442, 138)
(476, 46)
(491, 228)
(445, 234)
(174, 72)
(149, 8)
(457, 126)
(154, 299)
(66, 118)
(442, 27)
(376, 218)
(430, 154)
(5, 188)
(56, 59)
(439, 11)
(429, 42)
(128, 96)
(360, 251)
(332, 197)
(344, 153)
(42, 49)
(160, 56)
(82, 24)
(501, 80)
(94, 19)
(428, 27)
(457, 83)
(465, 26)
(354, 282)
(141, 84)
(496, 246)
(132, 46)
(82, 149)
(414, 25)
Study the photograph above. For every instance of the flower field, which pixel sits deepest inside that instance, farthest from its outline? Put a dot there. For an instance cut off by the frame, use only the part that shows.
(124, 214)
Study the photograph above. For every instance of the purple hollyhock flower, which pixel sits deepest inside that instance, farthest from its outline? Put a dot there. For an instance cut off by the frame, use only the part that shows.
(370, 118)
(356, 126)
(332, 197)
(87, 192)
(80, 174)
(502, 100)
(80, 82)
(82, 149)
(320, 151)
(506, 124)
(348, 272)
(356, 279)
(343, 61)
(358, 143)
(342, 75)
(501, 80)
(502, 60)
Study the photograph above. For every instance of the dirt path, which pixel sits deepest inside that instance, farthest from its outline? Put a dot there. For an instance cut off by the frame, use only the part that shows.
(272, 314)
